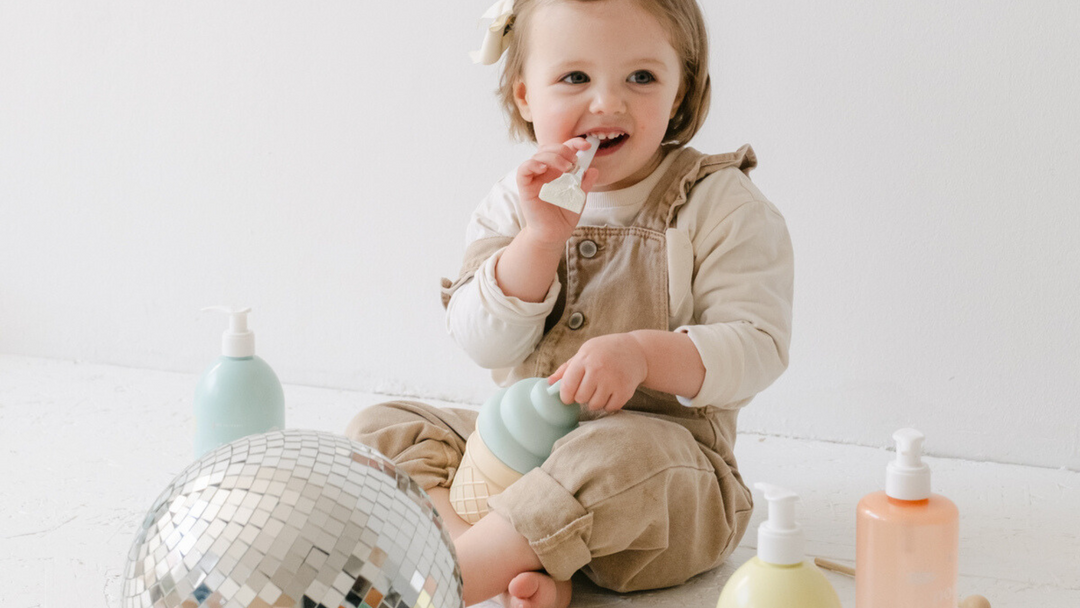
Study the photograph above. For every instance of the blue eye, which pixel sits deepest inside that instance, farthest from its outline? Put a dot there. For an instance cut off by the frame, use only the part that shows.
(642, 77)
(576, 78)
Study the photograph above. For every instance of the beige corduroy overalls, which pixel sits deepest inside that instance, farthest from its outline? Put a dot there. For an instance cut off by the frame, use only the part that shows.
(643, 498)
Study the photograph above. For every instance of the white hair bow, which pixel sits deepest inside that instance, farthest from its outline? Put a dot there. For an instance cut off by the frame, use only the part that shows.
(497, 36)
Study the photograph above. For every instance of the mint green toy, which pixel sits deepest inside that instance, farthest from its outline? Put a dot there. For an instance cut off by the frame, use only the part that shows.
(515, 432)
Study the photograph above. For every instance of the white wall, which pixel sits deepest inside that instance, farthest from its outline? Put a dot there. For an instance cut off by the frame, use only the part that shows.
(318, 161)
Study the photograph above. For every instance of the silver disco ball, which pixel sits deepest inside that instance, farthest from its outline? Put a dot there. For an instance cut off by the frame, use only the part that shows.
(298, 519)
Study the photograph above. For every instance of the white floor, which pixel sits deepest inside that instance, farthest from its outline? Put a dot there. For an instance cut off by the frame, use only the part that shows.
(86, 449)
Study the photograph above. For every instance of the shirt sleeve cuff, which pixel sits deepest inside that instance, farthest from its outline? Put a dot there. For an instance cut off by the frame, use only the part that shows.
(723, 363)
(509, 308)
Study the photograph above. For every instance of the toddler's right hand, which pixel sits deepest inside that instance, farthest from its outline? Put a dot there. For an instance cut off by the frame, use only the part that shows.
(549, 223)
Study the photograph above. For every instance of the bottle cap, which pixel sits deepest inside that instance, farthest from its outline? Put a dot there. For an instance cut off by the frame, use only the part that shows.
(908, 477)
(780, 539)
(238, 340)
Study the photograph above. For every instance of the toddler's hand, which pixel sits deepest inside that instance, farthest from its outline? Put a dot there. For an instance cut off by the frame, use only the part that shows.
(604, 373)
(550, 223)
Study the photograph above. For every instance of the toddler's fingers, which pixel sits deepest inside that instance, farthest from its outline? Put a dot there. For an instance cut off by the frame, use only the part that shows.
(599, 401)
(617, 401)
(571, 379)
(587, 392)
(577, 143)
(555, 160)
(532, 168)
(553, 378)
(571, 145)
(568, 150)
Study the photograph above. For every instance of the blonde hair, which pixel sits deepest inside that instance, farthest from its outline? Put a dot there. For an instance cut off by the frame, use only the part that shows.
(686, 29)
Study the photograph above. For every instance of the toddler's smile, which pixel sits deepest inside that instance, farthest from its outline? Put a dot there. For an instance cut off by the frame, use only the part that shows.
(605, 69)
(610, 141)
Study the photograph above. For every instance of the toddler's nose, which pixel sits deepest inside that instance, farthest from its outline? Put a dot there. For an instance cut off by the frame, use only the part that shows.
(607, 99)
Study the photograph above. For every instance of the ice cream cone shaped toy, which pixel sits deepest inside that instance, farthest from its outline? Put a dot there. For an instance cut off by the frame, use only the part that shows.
(515, 432)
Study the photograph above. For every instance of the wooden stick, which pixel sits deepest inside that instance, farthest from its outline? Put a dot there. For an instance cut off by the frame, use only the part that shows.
(833, 566)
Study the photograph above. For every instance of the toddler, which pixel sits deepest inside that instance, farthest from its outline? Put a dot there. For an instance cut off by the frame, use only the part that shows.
(663, 308)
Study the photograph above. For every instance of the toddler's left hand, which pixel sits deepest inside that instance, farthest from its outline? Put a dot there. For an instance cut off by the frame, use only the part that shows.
(604, 373)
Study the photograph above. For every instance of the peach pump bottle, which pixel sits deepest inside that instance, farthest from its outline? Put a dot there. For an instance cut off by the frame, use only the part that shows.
(906, 539)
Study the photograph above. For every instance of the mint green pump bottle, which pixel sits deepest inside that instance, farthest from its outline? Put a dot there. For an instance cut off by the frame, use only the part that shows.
(238, 395)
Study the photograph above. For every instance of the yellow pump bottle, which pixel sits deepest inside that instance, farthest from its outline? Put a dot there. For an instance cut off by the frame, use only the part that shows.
(780, 576)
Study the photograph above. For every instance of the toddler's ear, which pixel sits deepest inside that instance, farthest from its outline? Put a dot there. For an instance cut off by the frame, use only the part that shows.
(521, 100)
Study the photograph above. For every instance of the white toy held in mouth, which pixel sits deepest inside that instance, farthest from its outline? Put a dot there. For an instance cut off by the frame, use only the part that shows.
(565, 190)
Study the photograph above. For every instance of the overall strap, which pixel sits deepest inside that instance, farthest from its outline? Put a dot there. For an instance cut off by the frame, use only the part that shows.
(686, 170)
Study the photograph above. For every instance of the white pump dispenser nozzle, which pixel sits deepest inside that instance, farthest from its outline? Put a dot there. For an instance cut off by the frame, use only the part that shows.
(238, 340)
(908, 477)
(780, 539)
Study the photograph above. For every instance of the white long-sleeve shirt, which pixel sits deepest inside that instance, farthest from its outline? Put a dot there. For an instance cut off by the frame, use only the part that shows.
(730, 274)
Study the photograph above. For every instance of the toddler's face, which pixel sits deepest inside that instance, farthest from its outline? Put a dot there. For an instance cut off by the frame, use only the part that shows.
(601, 68)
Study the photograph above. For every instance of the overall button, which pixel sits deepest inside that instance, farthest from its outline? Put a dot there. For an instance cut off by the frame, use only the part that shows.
(587, 248)
(576, 320)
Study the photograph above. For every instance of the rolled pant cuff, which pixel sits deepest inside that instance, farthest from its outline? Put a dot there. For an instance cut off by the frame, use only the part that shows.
(429, 481)
(551, 519)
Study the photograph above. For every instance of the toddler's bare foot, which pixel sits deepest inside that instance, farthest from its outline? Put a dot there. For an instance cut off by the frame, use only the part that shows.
(537, 590)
